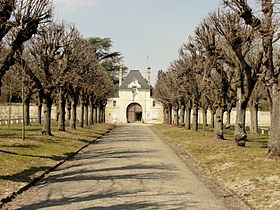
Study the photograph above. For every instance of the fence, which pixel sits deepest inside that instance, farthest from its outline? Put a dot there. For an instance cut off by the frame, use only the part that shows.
(15, 120)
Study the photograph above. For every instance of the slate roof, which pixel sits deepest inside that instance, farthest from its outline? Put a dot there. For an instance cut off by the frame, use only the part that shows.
(134, 75)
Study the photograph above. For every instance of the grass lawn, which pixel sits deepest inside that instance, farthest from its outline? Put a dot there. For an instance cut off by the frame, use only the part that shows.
(245, 170)
(21, 161)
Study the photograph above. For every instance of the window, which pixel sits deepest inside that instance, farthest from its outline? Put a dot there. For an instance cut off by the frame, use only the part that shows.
(114, 103)
(154, 103)
(134, 89)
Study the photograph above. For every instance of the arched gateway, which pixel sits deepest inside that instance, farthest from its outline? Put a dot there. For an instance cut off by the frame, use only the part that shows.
(134, 113)
(133, 102)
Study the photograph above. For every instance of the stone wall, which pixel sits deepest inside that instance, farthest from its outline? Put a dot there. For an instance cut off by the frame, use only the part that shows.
(263, 118)
(16, 112)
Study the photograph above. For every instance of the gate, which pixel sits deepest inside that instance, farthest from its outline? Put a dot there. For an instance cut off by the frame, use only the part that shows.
(134, 113)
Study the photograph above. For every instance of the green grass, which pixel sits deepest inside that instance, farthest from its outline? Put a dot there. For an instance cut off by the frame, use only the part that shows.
(21, 161)
(242, 169)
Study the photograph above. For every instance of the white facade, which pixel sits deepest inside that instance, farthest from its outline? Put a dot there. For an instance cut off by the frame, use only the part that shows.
(133, 102)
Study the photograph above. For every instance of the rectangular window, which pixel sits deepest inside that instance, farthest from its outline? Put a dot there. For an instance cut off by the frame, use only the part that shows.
(114, 103)
(154, 103)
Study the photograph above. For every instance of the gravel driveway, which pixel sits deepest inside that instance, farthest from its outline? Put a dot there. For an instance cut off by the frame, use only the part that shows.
(130, 168)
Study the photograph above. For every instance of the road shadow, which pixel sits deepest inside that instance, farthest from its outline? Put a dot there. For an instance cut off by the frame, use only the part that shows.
(90, 168)
(56, 203)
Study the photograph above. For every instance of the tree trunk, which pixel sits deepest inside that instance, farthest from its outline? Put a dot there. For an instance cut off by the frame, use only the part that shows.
(104, 114)
(100, 113)
(212, 119)
(82, 113)
(170, 114)
(240, 132)
(182, 115)
(274, 138)
(204, 119)
(69, 110)
(254, 117)
(57, 112)
(27, 110)
(47, 103)
(195, 119)
(73, 119)
(61, 104)
(91, 114)
(168, 117)
(165, 115)
(188, 118)
(86, 115)
(218, 129)
(228, 120)
(176, 118)
(95, 115)
(39, 110)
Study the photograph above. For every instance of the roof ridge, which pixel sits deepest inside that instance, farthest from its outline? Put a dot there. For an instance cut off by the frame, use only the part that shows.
(132, 76)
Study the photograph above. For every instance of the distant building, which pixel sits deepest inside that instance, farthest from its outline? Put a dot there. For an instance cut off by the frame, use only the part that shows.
(133, 102)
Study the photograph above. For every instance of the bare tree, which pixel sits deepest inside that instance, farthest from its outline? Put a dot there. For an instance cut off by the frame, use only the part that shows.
(213, 81)
(163, 92)
(46, 51)
(266, 26)
(239, 38)
(19, 22)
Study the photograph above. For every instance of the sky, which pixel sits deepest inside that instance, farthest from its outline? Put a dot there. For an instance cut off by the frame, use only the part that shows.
(145, 32)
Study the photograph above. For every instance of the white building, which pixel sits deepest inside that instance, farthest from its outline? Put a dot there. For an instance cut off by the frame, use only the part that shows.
(133, 102)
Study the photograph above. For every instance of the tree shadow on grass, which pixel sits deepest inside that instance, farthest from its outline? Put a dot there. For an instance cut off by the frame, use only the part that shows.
(19, 129)
(22, 146)
(52, 157)
(8, 135)
(25, 175)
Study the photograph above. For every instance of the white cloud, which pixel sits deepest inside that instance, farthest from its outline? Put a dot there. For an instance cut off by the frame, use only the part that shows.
(72, 4)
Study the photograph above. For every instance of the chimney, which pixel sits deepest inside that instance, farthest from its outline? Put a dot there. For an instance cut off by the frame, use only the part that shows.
(120, 76)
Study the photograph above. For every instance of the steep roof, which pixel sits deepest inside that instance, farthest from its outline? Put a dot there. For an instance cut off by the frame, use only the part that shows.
(134, 76)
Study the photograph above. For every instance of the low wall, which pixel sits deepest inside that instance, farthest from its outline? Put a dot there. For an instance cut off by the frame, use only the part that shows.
(263, 118)
(16, 113)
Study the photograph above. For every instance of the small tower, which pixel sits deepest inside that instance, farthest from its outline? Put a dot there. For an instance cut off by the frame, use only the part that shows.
(148, 71)
(149, 75)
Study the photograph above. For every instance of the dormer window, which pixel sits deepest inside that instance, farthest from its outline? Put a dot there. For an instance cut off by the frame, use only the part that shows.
(134, 84)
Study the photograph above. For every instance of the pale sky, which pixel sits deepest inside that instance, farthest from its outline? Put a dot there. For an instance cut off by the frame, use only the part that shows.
(139, 29)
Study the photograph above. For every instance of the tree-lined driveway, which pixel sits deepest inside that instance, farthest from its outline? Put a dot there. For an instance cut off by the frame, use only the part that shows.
(130, 168)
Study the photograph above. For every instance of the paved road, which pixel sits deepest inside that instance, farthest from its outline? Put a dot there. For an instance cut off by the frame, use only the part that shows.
(130, 168)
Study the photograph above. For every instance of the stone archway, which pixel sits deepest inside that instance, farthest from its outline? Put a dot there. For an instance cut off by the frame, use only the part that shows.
(134, 113)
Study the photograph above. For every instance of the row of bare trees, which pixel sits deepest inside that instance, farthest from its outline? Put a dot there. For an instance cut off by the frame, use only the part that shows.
(232, 60)
(53, 64)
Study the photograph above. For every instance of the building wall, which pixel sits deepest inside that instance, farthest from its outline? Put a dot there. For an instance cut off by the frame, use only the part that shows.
(118, 113)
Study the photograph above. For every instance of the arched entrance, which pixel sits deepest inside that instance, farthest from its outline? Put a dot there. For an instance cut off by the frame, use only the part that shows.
(134, 113)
